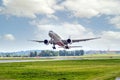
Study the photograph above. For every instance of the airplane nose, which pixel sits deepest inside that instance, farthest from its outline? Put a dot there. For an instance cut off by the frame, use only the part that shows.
(50, 31)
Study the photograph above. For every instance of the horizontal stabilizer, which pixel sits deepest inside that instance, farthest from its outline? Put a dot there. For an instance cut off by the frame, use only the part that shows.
(71, 46)
(74, 46)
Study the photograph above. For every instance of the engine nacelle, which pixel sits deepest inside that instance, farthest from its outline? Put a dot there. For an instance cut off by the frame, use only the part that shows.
(69, 41)
(46, 42)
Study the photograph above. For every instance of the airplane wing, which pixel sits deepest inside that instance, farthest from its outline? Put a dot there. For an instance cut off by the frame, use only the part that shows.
(37, 41)
(79, 40)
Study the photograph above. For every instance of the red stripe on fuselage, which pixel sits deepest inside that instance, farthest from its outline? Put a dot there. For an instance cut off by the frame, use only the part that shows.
(60, 44)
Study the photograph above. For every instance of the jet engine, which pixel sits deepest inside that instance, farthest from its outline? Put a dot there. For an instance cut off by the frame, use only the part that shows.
(46, 42)
(69, 41)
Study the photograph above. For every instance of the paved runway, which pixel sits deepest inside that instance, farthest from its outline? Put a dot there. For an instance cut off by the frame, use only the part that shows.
(11, 61)
(47, 59)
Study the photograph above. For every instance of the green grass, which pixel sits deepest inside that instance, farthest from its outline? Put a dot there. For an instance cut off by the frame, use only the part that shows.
(101, 56)
(106, 69)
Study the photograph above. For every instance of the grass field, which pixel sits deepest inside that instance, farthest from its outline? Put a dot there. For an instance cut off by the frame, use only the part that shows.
(101, 56)
(105, 69)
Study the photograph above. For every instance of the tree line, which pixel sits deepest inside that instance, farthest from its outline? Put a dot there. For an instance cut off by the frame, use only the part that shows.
(43, 53)
(56, 53)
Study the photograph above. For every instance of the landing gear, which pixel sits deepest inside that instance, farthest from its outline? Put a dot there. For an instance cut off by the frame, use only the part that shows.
(54, 46)
(66, 47)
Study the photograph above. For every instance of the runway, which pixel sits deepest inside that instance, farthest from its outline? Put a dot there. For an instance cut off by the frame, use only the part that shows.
(11, 61)
(42, 59)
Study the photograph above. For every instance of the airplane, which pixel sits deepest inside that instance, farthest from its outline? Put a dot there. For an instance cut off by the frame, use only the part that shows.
(56, 40)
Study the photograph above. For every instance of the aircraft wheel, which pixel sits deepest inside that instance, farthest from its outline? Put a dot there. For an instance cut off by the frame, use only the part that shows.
(54, 47)
(66, 47)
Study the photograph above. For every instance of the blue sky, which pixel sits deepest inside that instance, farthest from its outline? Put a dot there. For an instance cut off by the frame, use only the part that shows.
(23, 20)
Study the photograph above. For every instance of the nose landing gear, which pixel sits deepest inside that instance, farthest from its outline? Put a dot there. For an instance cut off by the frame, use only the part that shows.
(54, 47)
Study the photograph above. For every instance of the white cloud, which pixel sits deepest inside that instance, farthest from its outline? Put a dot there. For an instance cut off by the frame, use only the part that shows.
(65, 29)
(0, 9)
(9, 37)
(111, 39)
(115, 21)
(78, 8)
(29, 8)
(91, 8)
(111, 35)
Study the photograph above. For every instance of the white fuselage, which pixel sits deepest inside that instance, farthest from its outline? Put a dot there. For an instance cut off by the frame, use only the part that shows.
(56, 39)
